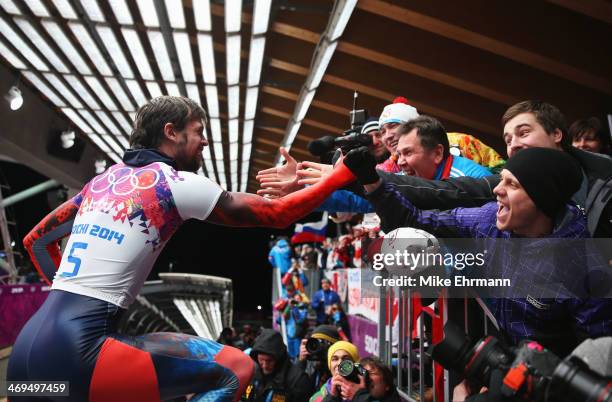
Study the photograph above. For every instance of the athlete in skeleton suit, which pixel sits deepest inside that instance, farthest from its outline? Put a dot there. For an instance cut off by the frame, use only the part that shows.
(118, 224)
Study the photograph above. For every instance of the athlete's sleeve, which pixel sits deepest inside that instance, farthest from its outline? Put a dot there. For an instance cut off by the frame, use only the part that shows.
(42, 243)
(247, 210)
(195, 196)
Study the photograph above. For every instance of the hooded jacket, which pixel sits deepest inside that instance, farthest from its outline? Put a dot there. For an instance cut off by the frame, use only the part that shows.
(287, 383)
(280, 256)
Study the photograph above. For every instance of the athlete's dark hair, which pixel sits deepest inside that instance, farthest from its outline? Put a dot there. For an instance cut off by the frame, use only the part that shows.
(151, 118)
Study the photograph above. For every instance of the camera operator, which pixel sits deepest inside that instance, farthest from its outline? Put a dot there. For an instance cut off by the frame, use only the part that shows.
(313, 354)
(338, 388)
(378, 148)
(528, 372)
(379, 383)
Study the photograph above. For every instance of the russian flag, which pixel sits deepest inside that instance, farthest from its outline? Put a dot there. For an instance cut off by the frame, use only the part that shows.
(310, 232)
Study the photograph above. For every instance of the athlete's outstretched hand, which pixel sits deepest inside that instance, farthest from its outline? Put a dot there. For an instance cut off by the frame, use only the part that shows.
(312, 172)
(279, 181)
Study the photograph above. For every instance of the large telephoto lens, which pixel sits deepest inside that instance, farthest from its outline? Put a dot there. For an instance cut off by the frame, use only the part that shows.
(572, 381)
(455, 352)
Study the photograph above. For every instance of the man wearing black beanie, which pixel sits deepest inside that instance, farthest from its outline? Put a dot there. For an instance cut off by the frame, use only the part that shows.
(533, 204)
(535, 186)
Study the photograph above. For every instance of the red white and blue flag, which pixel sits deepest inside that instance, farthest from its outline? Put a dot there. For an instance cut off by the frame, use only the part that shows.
(310, 232)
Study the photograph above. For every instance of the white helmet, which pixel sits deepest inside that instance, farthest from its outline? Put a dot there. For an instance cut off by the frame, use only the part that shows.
(416, 248)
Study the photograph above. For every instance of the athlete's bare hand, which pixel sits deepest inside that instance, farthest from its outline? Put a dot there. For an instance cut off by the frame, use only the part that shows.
(312, 172)
(280, 180)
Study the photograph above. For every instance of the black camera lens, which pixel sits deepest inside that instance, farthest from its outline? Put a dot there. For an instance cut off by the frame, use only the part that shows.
(456, 353)
(313, 345)
(572, 380)
(351, 371)
(346, 368)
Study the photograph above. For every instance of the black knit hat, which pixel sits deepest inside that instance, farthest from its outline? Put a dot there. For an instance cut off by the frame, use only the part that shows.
(327, 332)
(549, 177)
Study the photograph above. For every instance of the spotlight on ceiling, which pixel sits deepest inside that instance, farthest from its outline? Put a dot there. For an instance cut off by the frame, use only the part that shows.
(100, 166)
(67, 138)
(14, 98)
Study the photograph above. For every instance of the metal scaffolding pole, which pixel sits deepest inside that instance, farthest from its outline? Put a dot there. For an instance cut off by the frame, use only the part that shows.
(6, 242)
(32, 191)
(11, 268)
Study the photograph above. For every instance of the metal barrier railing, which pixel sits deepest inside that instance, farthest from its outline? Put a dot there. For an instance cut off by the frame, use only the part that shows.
(407, 344)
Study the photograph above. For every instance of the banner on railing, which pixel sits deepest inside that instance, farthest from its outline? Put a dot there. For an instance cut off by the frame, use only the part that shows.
(339, 280)
(17, 304)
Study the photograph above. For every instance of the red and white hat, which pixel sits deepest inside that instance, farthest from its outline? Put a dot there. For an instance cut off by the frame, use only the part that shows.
(398, 112)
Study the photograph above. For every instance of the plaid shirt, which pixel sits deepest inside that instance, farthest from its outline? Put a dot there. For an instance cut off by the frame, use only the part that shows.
(557, 322)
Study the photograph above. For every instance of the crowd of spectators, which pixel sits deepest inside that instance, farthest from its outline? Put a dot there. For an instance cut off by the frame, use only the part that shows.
(555, 183)
(315, 376)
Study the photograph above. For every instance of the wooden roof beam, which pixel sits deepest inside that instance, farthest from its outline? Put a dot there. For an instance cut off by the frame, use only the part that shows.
(486, 43)
(598, 9)
(376, 93)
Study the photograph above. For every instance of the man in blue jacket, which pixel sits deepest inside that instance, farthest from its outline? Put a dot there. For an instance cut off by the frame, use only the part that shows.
(280, 256)
(322, 301)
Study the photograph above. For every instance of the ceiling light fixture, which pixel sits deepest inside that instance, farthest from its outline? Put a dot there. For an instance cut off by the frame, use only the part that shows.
(14, 98)
(100, 165)
(67, 138)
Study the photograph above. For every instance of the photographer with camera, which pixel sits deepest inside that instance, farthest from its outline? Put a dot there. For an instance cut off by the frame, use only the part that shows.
(296, 317)
(339, 388)
(379, 382)
(313, 354)
(528, 372)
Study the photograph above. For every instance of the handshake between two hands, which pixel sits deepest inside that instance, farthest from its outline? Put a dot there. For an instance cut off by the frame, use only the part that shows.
(279, 181)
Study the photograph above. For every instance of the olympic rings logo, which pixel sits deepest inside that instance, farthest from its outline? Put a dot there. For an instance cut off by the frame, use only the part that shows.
(124, 180)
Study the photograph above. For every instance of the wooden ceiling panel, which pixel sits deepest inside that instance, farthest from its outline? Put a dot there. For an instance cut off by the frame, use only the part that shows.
(463, 67)
(490, 44)
(423, 94)
(298, 51)
(539, 30)
(283, 78)
(312, 15)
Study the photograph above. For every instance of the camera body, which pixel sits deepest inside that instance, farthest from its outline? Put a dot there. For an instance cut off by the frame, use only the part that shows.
(351, 371)
(317, 349)
(530, 372)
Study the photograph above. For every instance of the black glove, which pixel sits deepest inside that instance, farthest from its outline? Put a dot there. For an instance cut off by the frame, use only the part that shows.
(362, 164)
